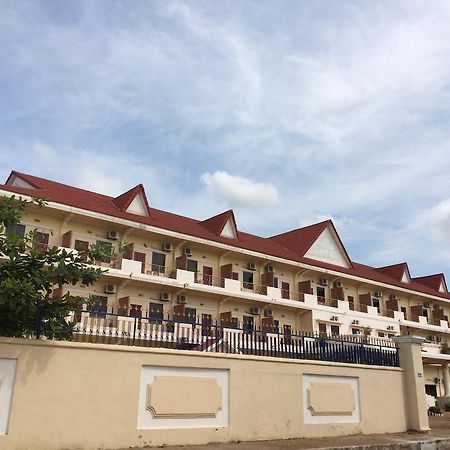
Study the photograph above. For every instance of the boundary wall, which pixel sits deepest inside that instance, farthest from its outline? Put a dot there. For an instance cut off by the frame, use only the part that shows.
(56, 395)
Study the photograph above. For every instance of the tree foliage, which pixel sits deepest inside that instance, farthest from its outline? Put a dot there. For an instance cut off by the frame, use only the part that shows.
(31, 278)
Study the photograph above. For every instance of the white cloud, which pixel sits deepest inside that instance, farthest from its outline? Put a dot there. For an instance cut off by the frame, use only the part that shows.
(239, 191)
(437, 221)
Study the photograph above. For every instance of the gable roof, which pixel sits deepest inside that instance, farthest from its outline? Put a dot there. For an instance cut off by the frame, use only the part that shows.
(217, 223)
(396, 271)
(124, 200)
(433, 281)
(302, 239)
(277, 246)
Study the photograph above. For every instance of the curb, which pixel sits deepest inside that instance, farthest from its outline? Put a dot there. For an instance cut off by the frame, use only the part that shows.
(432, 444)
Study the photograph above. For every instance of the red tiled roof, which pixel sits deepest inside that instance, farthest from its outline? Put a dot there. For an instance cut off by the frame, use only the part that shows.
(216, 223)
(290, 246)
(124, 200)
(395, 271)
(432, 281)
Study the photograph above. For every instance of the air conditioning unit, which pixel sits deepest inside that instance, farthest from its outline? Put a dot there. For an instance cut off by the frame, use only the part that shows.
(269, 269)
(112, 235)
(391, 296)
(377, 294)
(426, 305)
(390, 327)
(438, 339)
(268, 313)
(166, 247)
(355, 322)
(254, 310)
(110, 288)
(187, 251)
(338, 284)
(251, 266)
(323, 282)
(164, 297)
(334, 318)
(181, 299)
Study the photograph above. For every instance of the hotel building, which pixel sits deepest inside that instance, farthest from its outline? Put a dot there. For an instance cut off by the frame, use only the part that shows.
(208, 270)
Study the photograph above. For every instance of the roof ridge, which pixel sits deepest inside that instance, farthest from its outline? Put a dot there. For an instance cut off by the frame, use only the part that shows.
(302, 228)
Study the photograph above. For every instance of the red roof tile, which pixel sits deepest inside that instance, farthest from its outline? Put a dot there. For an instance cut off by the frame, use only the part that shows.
(432, 281)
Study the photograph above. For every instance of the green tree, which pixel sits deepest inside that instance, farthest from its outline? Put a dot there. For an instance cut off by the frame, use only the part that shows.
(31, 278)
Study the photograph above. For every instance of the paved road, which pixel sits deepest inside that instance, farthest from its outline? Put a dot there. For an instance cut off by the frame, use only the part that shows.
(440, 430)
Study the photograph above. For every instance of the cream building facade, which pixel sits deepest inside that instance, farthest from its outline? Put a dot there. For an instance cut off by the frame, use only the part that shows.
(208, 270)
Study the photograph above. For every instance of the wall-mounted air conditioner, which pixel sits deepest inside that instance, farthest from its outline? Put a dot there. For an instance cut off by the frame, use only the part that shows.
(251, 266)
(355, 322)
(164, 297)
(338, 284)
(323, 282)
(110, 288)
(112, 235)
(334, 318)
(254, 310)
(187, 251)
(377, 294)
(181, 299)
(268, 313)
(270, 269)
(166, 247)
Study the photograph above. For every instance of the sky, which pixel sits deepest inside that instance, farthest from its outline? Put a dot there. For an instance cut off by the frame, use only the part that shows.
(288, 112)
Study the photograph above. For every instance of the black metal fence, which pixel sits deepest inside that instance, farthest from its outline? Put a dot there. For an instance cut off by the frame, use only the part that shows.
(193, 333)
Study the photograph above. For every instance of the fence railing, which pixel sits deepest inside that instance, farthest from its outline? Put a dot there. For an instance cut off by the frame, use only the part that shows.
(186, 332)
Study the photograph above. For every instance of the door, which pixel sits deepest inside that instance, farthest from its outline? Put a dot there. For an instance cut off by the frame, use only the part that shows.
(138, 256)
(207, 275)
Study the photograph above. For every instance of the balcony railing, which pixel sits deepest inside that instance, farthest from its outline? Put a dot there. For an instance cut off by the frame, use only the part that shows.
(187, 333)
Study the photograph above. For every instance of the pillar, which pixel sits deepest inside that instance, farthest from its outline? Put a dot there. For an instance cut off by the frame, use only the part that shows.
(410, 353)
(446, 379)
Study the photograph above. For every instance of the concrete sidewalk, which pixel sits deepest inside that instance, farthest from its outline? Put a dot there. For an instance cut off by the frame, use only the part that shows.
(437, 439)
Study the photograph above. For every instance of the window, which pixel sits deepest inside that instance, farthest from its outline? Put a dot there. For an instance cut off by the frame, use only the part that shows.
(192, 265)
(275, 282)
(335, 330)
(190, 315)
(276, 326)
(247, 324)
(380, 334)
(82, 247)
(206, 324)
(41, 241)
(155, 312)
(247, 279)
(234, 323)
(356, 331)
(18, 230)
(158, 262)
(322, 328)
(105, 249)
(98, 306)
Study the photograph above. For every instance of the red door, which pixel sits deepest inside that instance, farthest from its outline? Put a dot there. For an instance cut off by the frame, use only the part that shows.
(140, 257)
(207, 275)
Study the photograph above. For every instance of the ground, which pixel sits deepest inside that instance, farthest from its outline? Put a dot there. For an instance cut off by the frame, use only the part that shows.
(440, 430)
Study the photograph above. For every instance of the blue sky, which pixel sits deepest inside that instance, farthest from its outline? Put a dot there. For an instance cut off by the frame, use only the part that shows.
(289, 112)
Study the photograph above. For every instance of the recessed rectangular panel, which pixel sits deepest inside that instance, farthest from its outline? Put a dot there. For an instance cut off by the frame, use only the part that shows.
(330, 399)
(182, 397)
(7, 376)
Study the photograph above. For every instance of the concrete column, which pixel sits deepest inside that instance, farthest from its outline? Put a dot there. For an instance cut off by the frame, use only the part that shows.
(410, 353)
(446, 379)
